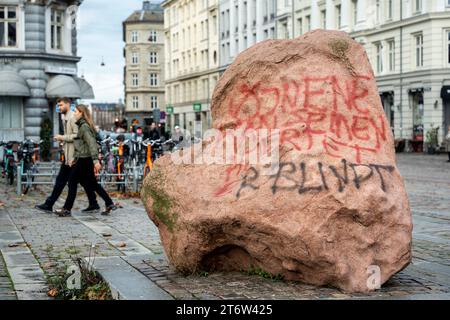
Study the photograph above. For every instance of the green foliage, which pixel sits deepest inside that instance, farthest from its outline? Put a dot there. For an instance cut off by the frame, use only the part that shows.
(162, 205)
(46, 137)
(432, 136)
(264, 274)
(92, 286)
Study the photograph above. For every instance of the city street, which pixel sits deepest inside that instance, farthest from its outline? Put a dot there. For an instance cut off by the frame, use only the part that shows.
(33, 244)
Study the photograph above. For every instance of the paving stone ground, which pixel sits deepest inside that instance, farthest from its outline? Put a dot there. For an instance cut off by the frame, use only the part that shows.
(6, 287)
(130, 235)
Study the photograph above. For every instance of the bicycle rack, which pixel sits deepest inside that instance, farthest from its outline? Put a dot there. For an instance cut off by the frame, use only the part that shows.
(50, 171)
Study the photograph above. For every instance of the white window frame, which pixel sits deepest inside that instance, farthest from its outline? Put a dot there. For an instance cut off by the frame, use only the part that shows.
(153, 57)
(323, 18)
(134, 37)
(153, 38)
(447, 46)
(135, 80)
(338, 9)
(135, 102)
(379, 57)
(417, 6)
(418, 51)
(66, 31)
(154, 79)
(54, 24)
(17, 20)
(391, 53)
(154, 102)
(390, 10)
(135, 58)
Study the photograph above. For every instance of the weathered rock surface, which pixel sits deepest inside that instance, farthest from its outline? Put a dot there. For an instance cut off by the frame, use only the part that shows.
(336, 206)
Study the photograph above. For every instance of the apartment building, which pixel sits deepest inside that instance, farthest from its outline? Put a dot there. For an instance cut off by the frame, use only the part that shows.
(192, 61)
(243, 23)
(408, 44)
(143, 34)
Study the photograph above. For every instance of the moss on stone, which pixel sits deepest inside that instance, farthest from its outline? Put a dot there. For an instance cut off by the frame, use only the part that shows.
(339, 48)
(163, 205)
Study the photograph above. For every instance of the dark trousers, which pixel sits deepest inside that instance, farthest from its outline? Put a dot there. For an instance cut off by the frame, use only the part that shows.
(83, 173)
(448, 156)
(61, 181)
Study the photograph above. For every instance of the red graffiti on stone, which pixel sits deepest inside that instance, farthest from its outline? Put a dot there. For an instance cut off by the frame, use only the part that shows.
(311, 113)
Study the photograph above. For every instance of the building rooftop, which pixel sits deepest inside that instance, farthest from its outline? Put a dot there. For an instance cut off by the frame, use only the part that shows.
(150, 12)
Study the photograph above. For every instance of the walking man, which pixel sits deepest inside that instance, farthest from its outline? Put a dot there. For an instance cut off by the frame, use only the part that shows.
(70, 133)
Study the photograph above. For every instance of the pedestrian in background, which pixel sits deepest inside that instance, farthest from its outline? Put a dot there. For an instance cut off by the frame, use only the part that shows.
(85, 163)
(67, 140)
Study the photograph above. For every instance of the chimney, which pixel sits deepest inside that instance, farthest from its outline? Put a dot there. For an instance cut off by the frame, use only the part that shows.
(146, 6)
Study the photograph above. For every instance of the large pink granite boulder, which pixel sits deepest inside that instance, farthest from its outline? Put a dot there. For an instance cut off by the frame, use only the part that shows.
(334, 212)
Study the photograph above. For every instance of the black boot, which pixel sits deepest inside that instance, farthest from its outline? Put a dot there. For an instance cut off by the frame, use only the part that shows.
(44, 208)
(108, 209)
(91, 209)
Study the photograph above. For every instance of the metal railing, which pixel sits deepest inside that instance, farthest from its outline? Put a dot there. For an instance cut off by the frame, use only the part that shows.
(45, 173)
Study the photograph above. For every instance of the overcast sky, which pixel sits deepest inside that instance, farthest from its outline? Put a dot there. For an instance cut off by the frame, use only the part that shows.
(100, 35)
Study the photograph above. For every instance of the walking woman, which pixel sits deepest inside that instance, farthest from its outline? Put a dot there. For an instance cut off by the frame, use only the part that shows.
(86, 161)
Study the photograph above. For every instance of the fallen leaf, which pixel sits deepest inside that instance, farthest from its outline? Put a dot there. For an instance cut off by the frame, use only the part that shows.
(53, 293)
(122, 245)
(106, 235)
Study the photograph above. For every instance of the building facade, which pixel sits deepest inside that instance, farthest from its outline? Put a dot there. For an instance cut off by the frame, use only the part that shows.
(144, 64)
(192, 62)
(105, 115)
(408, 44)
(243, 23)
(38, 63)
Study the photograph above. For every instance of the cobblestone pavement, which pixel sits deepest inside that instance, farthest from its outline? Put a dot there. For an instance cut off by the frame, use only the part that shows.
(6, 286)
(129, 234)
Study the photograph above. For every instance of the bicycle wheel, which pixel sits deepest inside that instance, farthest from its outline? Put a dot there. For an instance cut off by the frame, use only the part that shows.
(10, 175)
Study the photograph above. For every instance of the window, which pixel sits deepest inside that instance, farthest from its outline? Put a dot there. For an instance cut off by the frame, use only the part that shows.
(378, 11)
(355, 12)
(308, 23)
(323, 17)
(390, 8)
(391, 45)
(135, 102)
(338, 16)
(448, 46)
(153, 79)
(300, 25)
(379, 49)
(419, 50)
(10, 113)
(152, 37)
(135, 79)
(153, 57)
(135, 58)
(56, 29)
(154, 102)
(134, 37)
(8, 26)
(417, 6)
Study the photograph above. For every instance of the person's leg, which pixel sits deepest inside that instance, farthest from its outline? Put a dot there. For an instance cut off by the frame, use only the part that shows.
(90, 193)
(75, 176)
(92, 183)
(60, 184)
(448, 156)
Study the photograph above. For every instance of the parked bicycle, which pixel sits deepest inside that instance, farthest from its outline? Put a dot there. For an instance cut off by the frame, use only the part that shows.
(9, 161)
(28, 155)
